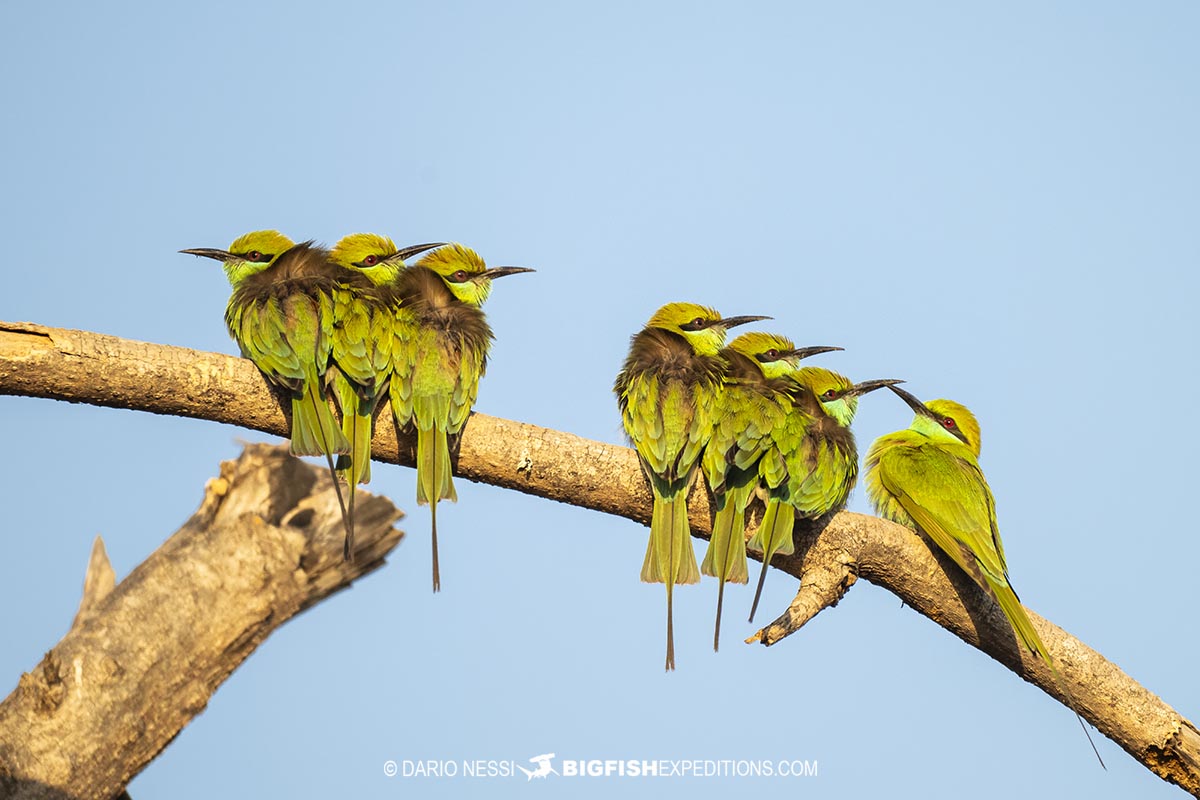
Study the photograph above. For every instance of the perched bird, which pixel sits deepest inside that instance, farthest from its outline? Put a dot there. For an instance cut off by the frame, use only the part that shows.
(755, 397)
(927, 478)
(439, 354)
(364, 318)
(813, 463)
(667, 392)
(281, 316)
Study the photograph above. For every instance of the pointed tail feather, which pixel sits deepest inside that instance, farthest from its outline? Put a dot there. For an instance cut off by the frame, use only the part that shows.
(348, 543)
(434, 481)
(683, 554)
(762, 579)
(1023, 628)
(670, 628)
(774, 535)
(717, 624)
(716, 556)
(437, 574)
(359, 433)
(425, 448)
(670, 558)
(434, 470)
(361, 428)
(650, 566)
(357, 427)
(682, 561)
(725, 558)
(734, 565)
(356, 467)
(315, 432)
(735, 568)
(716, 560)
(1019, 620)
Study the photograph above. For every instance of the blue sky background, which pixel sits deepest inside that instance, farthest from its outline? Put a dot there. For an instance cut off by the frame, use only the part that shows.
(997, 204)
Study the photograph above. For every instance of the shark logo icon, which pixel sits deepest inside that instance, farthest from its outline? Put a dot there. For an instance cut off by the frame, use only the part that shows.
(543, 767)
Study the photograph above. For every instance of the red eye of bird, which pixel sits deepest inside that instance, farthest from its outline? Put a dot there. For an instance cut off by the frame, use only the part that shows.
(253, 255)
(948, 422)
(698, 322)
(830, 394)
(460, 275)
(370, 260)
(772, 354)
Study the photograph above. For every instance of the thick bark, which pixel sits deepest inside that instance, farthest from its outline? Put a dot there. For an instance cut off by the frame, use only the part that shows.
(143, 657)
(85, 367)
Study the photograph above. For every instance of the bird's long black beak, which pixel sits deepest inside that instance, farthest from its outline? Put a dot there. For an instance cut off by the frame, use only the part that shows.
(925, 411)
(405, 253)
(209, 252)
(805, 352)
(500, 272)
(860, 389)
(913, 403)
(733, 322)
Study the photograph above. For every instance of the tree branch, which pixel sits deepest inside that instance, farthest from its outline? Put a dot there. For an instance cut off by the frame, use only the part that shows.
(85, 367)
(143, 659)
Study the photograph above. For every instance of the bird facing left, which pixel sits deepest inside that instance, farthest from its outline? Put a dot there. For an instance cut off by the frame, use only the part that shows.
(280, 313)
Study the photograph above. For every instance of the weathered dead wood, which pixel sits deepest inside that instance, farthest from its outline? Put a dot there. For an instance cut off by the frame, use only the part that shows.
(143, 658)
(103, 370)
(97, 582)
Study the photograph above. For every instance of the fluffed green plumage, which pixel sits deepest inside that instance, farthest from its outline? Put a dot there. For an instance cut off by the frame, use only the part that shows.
(927, 478)
(439, 354)
(363, 333)
(755, 399)
(281, 315)
(666, 392)
(813, 463)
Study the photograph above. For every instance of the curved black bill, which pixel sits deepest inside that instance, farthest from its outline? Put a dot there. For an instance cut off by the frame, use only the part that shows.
(733, 322)
(500, 272)
(805, 352)
(209, 252)
(405, 253)
(859, 389)
(913, 403)
(925, 411)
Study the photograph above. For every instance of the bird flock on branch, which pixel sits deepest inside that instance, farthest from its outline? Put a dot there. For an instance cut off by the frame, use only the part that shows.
(358, 324)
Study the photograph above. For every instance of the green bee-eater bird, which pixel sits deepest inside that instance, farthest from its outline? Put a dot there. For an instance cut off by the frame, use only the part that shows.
(364, 316)
(439, 354)
(927, 478)
(667, 392)
(813, 463)
(754, 399)
(281, 316)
